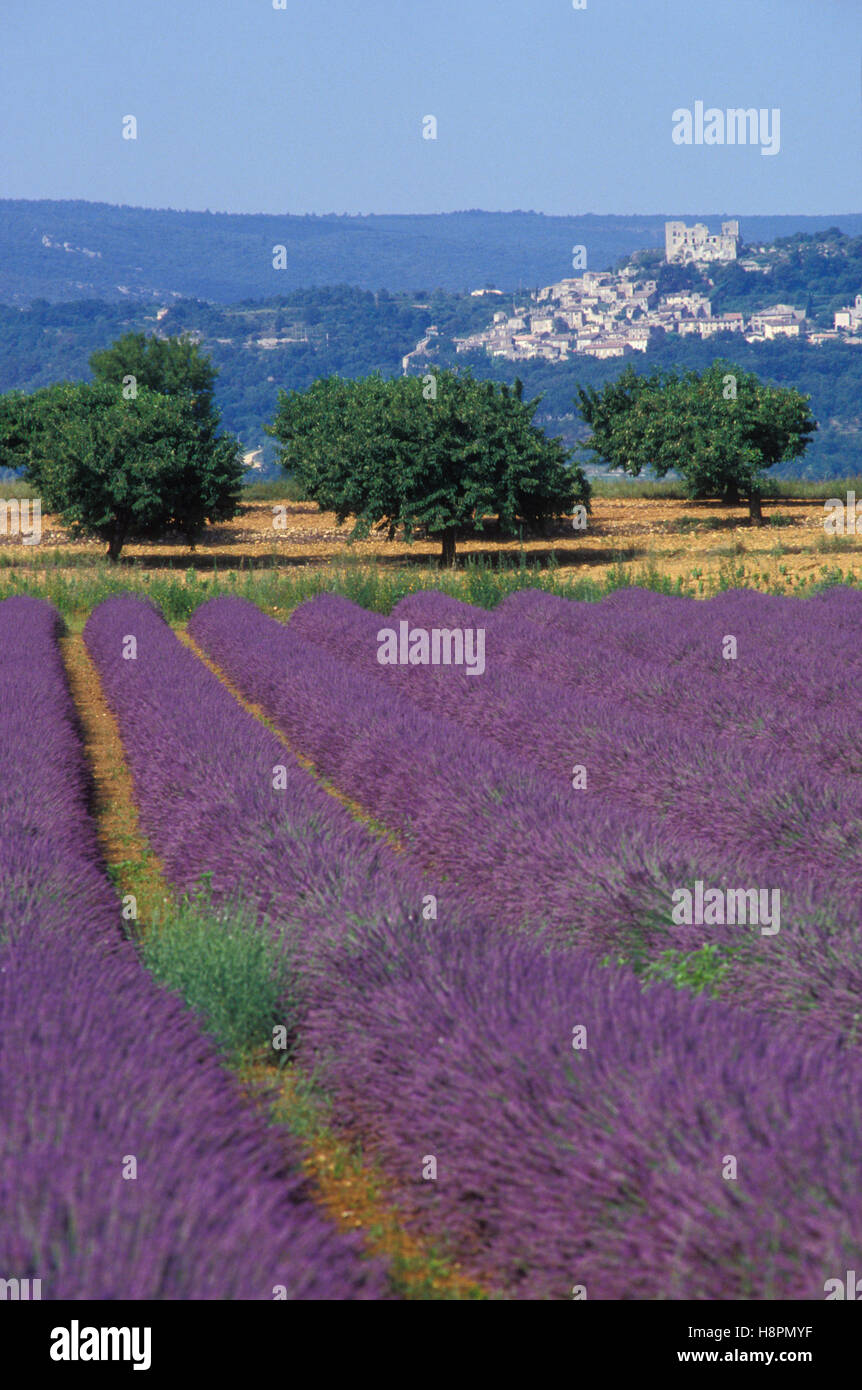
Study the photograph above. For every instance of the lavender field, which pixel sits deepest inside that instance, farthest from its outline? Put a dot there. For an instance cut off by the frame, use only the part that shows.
(570, 944)
(103, 1073)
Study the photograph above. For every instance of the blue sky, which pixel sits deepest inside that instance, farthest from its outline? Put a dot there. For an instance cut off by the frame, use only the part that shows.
(319, 107)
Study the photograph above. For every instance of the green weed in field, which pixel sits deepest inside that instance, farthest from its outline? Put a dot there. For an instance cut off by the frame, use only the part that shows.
(701, 971)
(228, 966)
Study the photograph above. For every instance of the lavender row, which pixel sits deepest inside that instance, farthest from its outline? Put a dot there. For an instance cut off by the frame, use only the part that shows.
(750, 805)
(684, 767)
(48, 850)
(793, 682)
(758, 805)
(792, 687)
(595, 1138)
(508, 842)
(721, 761)
(476, 814)
(217, 790)
(130, 1165)
(455, 1044)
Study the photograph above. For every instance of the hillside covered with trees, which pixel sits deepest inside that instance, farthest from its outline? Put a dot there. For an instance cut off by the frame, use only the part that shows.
(349, 332)
(818, 273)
(79, 250)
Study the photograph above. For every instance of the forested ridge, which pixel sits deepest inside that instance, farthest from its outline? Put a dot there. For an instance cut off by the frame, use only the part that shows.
(80, 250)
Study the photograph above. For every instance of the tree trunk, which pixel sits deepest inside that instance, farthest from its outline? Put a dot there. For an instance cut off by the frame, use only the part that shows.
(730, 497)
(447, 555)
(755, 512)
(115, 543)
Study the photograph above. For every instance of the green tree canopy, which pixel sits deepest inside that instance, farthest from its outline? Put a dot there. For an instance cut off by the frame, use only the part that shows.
(172, 366)
(445, 452)
(121, 469)
(720, 429)
(15, 428)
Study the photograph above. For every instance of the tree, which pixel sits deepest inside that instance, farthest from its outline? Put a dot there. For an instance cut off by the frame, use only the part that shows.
(122, 469)
(674, 277)
(172, 366)
(443, 453)
(15, 414)
(720, 429)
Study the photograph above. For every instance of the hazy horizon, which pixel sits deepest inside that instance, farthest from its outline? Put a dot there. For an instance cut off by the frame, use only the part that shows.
(670, 213)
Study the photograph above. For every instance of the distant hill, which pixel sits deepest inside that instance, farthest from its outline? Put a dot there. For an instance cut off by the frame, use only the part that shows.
(77, 250)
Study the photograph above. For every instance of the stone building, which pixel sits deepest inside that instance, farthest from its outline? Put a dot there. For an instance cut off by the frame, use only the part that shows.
(697, 243)
(850, 318)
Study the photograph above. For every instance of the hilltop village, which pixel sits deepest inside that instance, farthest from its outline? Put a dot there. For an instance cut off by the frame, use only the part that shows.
(600, 314)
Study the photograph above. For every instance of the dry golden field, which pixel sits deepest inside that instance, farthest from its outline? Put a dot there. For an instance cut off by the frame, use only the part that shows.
(679, 539)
